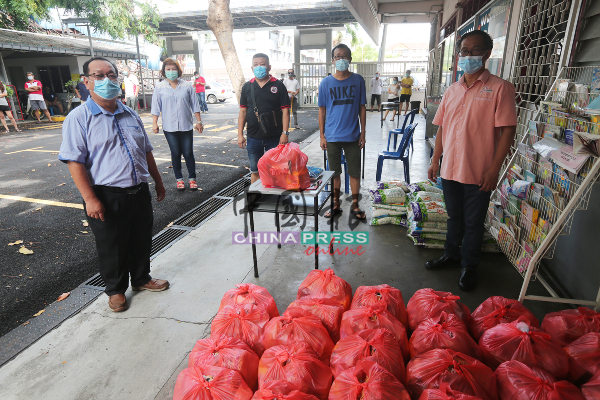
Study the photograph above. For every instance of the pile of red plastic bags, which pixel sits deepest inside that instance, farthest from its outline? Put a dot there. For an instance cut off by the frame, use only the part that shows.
(331, 345)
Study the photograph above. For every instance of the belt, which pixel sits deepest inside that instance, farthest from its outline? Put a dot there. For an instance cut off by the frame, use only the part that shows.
(128, 190)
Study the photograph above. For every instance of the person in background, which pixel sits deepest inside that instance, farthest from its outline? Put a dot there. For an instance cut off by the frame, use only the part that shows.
(293, 88)
(477, 125)
(282, 77)
(81, 91)
(393, 96)
(270, 96)
(176, 100)
(36, 97)
(406, 91)
(52, 100)
(5, 109)
(342, 119)
(329, 74)
(132, 88)
(110, 160)
(200, 85)
(376, 85)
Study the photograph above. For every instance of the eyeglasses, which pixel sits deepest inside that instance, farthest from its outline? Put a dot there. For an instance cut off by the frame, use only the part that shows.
(341, 57)
(474, 52)
(101, 76)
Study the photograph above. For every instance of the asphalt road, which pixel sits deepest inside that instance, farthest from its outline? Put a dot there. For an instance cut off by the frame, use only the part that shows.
(64, 252)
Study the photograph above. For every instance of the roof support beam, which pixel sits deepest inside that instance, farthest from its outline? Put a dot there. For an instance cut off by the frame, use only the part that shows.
(408, 18)
(366, 17)
(410, 7)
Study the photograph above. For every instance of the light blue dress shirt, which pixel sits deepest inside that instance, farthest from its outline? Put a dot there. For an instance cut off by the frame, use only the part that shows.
(176, 105)
(113, 147)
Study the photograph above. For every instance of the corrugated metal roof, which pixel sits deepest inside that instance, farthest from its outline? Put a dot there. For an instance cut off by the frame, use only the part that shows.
(44, 43)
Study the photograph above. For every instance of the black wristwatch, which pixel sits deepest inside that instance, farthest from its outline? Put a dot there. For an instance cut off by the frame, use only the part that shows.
(287, 133)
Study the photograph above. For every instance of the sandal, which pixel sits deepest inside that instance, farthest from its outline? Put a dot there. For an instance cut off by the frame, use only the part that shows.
(193, 185)
(357, 213)
(180, 185)
(7, 131)
(336, 211)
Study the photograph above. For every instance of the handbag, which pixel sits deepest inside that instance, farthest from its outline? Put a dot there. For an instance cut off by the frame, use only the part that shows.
(268, 121)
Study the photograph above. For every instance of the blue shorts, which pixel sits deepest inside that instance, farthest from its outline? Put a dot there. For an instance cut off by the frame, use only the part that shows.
(257, 148)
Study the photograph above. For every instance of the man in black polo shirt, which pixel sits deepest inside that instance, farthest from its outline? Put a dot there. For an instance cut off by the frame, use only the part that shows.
(270, 98)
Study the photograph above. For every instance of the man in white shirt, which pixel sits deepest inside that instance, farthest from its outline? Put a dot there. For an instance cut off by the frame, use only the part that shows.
(132, 88)
(293, 88)
(36, 97)
(376, 86)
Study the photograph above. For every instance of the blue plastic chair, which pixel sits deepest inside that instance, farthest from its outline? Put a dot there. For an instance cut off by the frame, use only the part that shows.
(347, 177)
(396, 132)
(401, 154)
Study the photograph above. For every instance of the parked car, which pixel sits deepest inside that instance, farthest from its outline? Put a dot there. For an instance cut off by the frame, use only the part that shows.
(215, 91)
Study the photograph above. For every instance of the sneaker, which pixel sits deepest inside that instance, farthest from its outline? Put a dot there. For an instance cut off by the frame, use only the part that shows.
(180, 185)
(297, 127)
(193, 185)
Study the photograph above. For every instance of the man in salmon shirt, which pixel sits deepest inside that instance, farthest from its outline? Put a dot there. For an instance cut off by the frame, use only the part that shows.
(477, 125)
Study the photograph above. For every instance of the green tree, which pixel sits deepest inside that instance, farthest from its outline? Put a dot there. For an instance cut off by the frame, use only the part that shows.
(15, 14)
(364, 52)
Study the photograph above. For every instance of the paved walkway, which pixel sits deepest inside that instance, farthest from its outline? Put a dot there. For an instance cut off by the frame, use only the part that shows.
(138, 354)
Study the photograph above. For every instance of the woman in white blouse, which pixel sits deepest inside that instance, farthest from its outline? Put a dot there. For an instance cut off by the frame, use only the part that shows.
(5, 109)
(393, 91)
(176, 100)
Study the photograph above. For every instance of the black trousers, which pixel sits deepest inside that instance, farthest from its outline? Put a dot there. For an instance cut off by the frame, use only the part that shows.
(124, 238)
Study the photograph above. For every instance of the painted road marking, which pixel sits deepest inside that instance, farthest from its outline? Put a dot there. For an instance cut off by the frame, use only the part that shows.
(41, 201)
(200, 162)
(210, 137)
(208, 126)
(35, 149)
(222, 128)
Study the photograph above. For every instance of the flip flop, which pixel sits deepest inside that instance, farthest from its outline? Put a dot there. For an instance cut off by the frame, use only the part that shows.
(358, 212)
(336, 211)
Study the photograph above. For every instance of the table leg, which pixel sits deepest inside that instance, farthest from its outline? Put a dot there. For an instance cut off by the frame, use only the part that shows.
(382, 117)
(317, 230)
(331, 227)
(278, 229)
(253, 244)
(363, 163)
(398, 120)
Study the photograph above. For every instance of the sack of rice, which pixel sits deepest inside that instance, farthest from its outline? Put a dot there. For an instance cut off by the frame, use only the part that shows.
(388, 196)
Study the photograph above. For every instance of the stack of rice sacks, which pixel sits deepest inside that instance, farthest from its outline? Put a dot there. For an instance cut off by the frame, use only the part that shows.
(388, 203)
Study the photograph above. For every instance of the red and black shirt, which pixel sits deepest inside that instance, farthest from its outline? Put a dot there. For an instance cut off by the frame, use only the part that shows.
(272, 96)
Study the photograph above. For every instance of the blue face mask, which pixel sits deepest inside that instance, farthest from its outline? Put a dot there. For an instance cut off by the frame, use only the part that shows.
(470, 64)
(125, 73)
(260, 71)
(342, 64)
(172, 75)
(395, 81)
(106, 89)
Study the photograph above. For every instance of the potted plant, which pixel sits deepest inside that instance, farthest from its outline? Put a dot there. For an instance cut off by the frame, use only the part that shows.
(70, 87)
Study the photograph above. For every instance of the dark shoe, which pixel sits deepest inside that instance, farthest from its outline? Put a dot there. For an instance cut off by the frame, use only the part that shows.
(155, 285)
(117, 302)
(442, 262)
(468, 279)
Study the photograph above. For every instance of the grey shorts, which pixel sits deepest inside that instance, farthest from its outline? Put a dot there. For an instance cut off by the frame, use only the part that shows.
(351, 153)
(38, 104)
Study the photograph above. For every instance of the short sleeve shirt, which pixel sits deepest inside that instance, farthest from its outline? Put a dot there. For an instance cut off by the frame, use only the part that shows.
(376, 86)
(291, 85)
(471, 119)
(406, 81)
(37, 95)
(3, 101)
(342, 100)
(272, 96)
(200, 88)
(131, 83)
(83, 91)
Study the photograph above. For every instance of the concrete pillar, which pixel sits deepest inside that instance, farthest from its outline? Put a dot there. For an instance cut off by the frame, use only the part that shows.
(383, 44)
(297, 58)
(169, 47)
(198, 53)
(328, 44)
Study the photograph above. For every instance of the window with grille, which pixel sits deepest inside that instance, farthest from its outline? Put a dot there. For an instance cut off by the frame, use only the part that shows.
(55, 77)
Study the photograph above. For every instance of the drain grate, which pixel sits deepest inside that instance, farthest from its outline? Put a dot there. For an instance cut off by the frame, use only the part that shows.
(164, 239)
(95, 282)
(235, 189)
(203, 212)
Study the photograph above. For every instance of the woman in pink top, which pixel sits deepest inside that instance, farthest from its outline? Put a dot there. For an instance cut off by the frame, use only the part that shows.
(477, 124)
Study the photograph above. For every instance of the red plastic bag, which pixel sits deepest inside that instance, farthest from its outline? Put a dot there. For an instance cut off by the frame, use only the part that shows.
(328, 311)
(284, 167)
(585, 357)
(242, 321)
(369, 295)
(517, 381)
(591, 390)
(569, 325)
(447, 331)
(227, 352)
(281, 390)
(249, 293)
(211, 383)
(378, 345)
(498, 310)
(374, 317)
(463, 373)
(428, 303)
(287, 331)
(298, 365)
(445, 393)
(326, 285)
(521, 342)
(367, 381)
